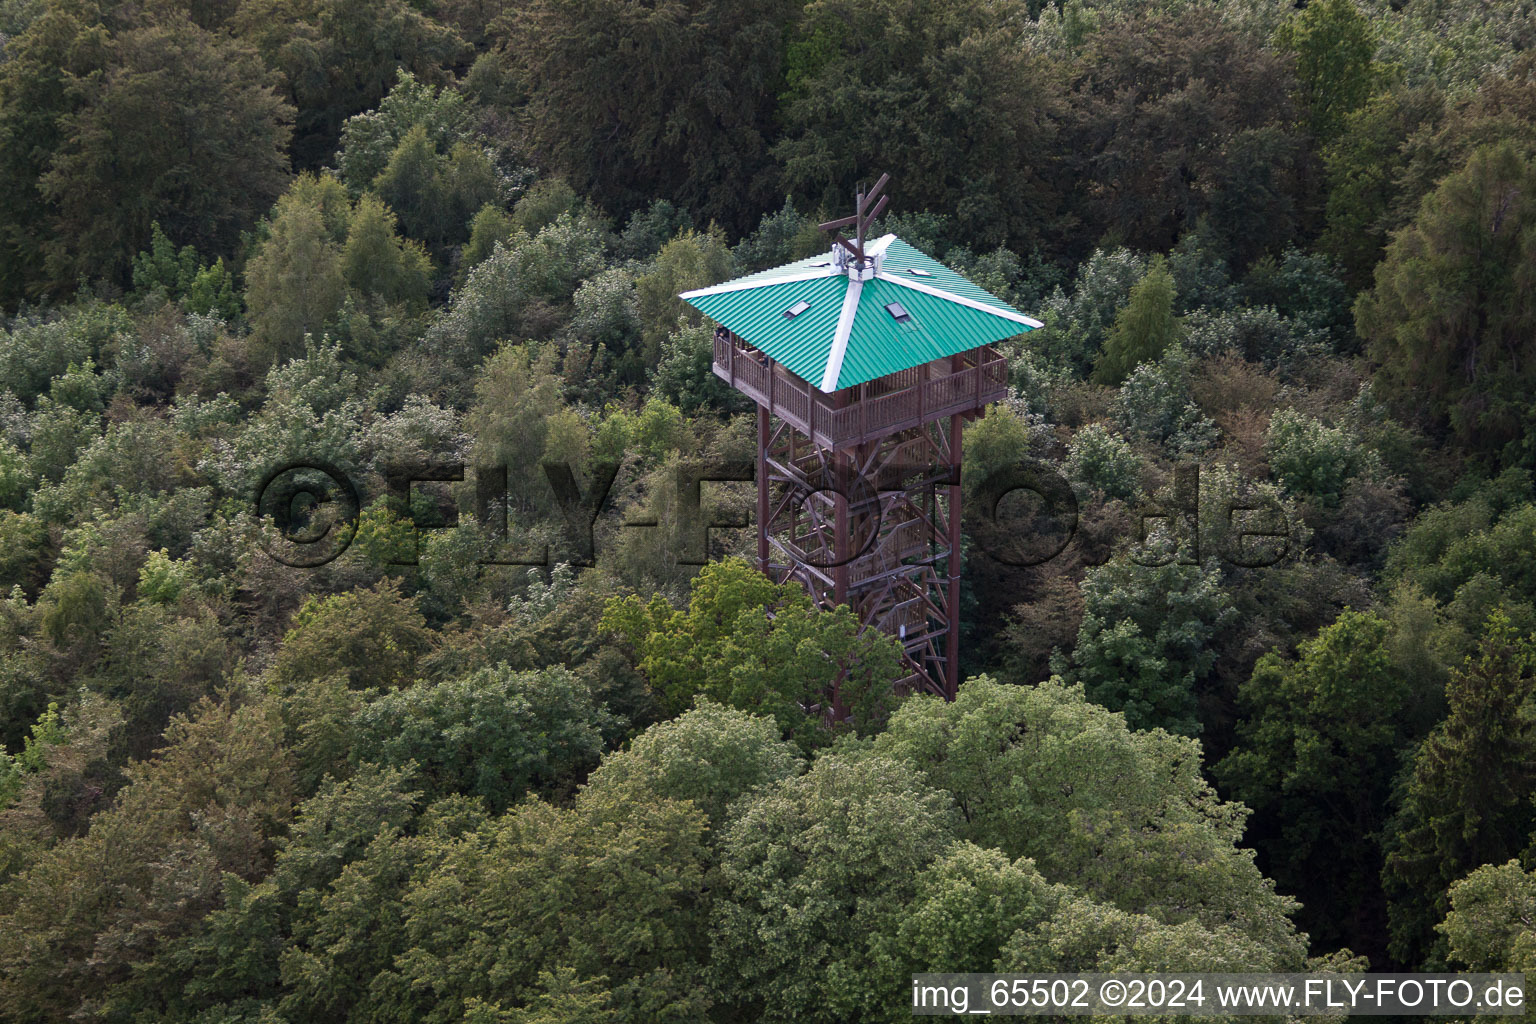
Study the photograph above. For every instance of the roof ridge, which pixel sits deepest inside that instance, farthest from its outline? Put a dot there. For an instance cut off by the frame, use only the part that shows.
(841, 336)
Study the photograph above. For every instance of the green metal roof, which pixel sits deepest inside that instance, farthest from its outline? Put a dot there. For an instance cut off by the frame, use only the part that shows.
(847, 333)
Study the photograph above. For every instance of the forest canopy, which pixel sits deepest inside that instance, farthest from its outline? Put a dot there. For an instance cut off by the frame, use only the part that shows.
(506, 755)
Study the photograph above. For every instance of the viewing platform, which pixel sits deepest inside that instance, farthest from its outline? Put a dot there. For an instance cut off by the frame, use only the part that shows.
(865, 412)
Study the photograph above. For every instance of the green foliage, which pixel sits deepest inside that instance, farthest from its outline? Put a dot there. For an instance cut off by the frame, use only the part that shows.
(1315, 760)
(518, 292)
(59, 433)
(495, 734)
(66, 782)
(373, 636)
(1256, 334)
(436, 194)
(614, 890)
(1201, 277)
(1365, 165)
(24, 551)
(1175, 116)
(78, 387)
(816, 876)
(758, 646)
(373, 791)
(970, 902)
(338, 58)
(47, 731)
(200, 287)
(74, 610)
(1020, 282)
(1076, 325)
(780, 238)
(1488, 928)
(562, 997)
(966, 119)
(149, 866)
(1469, 560)
(1155, 403)
(35, 349)
(1001, 440)
(543, 203)
(15, 476)
(651, 228)
(295, 283)
(515, 392)
(684, 375)
(212, 292)
(1304, 288)
(606, 324)
(313, 933)
(691, 260)
(1334, 49)
(163, 579)
(1040, 773)
(647, 436)
(1469, 800)
(34, 98)
(710, 755)
(1101, 459)
(169, 123)
(490, 227)
(376, 261)
(368, 140)
(1308, 457)
(1447, 321)
(1143, 329)
(162, 267)
(695, 131)
(1148, 640)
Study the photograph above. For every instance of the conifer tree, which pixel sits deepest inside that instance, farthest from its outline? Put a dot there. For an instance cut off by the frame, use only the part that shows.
(1450, 322)
(1144, 327)
(377, 261)
(1469, 800)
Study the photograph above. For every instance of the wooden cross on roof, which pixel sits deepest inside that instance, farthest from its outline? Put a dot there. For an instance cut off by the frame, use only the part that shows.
(867, 207)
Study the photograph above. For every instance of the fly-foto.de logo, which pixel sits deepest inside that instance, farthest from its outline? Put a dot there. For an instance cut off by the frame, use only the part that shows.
(1021, 515)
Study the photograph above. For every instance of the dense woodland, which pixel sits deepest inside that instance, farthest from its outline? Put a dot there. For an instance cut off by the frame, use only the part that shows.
(1294, 246)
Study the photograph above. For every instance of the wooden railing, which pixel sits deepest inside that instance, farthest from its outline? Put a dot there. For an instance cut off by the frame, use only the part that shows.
(982, 379)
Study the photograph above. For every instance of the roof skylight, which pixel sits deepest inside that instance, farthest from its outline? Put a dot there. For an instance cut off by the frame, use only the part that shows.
(919, 272)
(796, 310)
(898, 312)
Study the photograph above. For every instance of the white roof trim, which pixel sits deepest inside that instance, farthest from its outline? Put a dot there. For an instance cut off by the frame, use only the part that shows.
(840, 340)
(1006, 314)
(879, 245)
(741, 286)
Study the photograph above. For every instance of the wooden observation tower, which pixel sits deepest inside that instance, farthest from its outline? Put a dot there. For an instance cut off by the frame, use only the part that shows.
(864, 363)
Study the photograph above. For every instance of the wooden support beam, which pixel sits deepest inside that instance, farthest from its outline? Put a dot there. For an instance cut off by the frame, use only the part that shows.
(763, 484)
(869, 197)
(857, 250)
(952, 644)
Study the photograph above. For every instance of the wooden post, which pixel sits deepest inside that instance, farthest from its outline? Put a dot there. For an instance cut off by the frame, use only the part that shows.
(842, 546)
(762, 490)
(952, 644)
